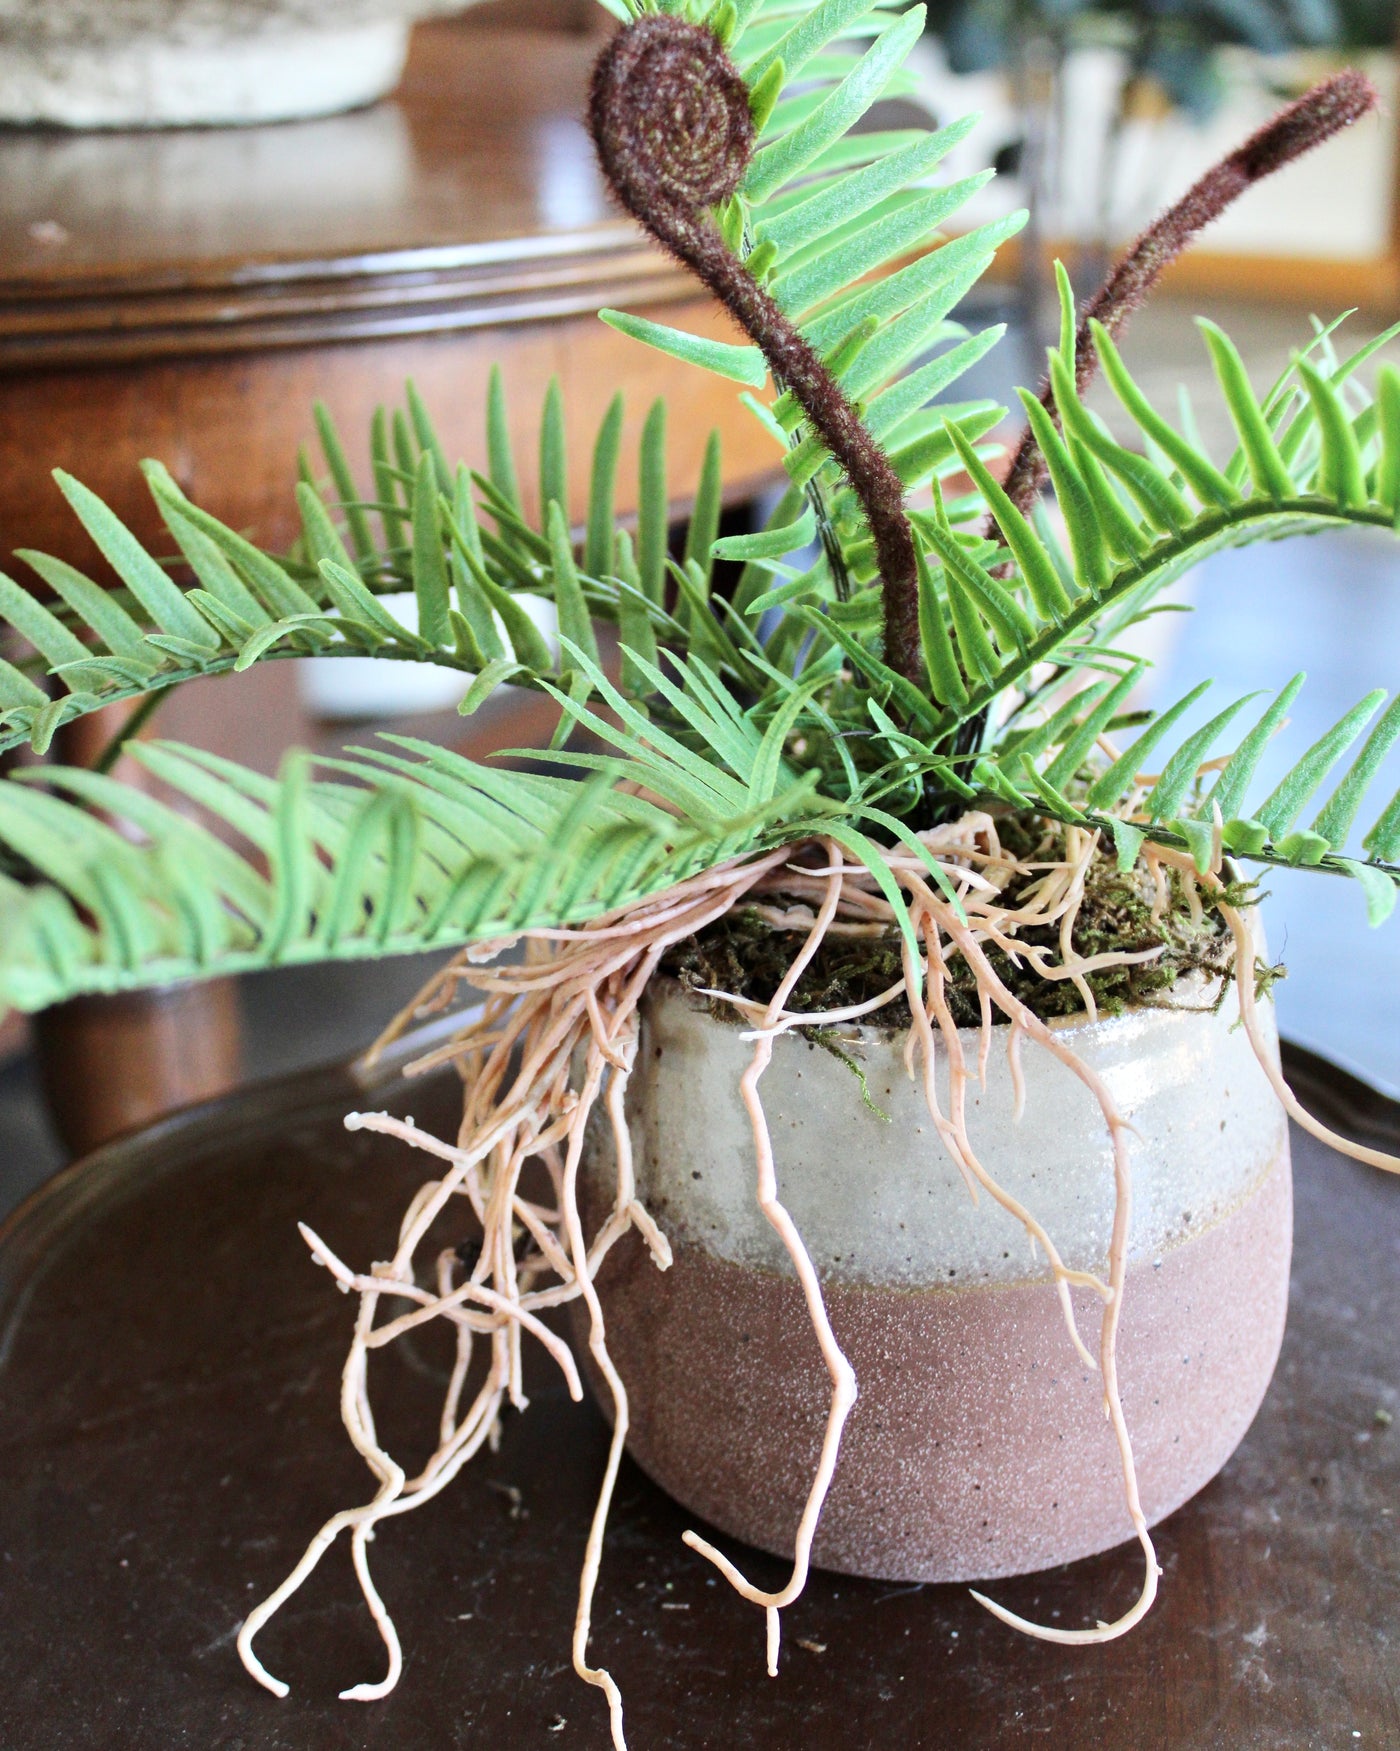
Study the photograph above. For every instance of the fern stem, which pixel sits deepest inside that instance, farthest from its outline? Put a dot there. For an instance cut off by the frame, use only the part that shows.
(1287, 516)
(671, 121)
(1320, 113)
(132, 726)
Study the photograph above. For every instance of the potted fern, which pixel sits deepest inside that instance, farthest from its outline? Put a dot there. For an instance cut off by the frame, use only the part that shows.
(879, 829)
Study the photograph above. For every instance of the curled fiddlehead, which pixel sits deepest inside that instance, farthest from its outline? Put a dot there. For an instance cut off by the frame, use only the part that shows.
(671, 121)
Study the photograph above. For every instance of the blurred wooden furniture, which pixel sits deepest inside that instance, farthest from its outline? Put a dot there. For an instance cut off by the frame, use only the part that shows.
(189, 294)
(584, 17)
(111, 1064)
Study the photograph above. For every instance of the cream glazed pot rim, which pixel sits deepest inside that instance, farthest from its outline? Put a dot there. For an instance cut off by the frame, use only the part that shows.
(883, 1204)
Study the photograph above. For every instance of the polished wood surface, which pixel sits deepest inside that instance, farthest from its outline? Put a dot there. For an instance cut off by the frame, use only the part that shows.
(229, 428)
(109, 1065)
(169, 1366)
(470, 197)
(188, 294)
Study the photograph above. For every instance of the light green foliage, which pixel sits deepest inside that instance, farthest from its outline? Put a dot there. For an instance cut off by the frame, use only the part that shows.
(743, 713)
(738, 364)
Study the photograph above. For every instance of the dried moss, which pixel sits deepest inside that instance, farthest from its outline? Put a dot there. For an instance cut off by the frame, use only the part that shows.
(741, 954)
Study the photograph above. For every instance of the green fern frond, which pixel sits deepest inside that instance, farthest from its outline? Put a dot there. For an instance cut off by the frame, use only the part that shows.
(1137, 524)
(459, 544)
(404, 848)
(1175, 807)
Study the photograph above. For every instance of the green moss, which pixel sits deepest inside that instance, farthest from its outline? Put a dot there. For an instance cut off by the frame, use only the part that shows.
(742, 954)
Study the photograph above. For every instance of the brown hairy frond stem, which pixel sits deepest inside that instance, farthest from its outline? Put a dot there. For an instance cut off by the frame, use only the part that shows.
(1320, 113)
(670, 118)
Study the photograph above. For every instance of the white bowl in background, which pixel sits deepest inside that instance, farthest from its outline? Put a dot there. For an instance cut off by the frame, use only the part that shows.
(176, 63)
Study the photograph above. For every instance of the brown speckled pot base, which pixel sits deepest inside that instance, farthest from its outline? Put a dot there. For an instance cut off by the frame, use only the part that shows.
(978, 1446)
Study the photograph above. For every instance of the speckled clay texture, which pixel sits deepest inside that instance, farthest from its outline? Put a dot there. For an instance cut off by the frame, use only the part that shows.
(978, 1446)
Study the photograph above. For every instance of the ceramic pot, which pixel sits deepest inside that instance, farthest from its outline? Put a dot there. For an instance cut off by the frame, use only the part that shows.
(167, 63)
(978, 1445)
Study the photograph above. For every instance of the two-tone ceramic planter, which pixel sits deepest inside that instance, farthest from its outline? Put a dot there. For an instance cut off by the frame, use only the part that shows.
(978, 1446)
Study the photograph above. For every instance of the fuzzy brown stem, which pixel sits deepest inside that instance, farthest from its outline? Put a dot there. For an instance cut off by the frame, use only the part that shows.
(670, 118)
(1316, 116)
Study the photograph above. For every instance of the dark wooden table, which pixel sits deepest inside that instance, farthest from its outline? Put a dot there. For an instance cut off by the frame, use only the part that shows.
(169, 1438)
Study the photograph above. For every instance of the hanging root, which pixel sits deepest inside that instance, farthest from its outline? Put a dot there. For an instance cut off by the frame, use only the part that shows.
(1246, 977)
(552, 1031)
(556, 1040)
(843, 1379)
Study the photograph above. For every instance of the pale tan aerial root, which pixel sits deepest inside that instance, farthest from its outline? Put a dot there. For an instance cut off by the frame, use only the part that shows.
(1242, 930)
(577, 1000)
(556, 1039)
(843, 1378)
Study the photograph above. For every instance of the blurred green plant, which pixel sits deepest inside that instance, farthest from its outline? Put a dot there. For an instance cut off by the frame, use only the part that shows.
(1173, 43)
